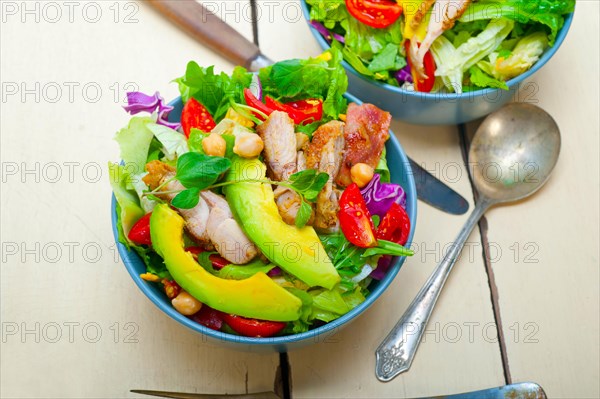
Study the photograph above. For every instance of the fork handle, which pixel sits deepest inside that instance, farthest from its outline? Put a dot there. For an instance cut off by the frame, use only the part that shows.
(397, 351)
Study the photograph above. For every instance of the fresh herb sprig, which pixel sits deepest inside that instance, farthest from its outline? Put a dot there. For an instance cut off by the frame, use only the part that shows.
(197, 172)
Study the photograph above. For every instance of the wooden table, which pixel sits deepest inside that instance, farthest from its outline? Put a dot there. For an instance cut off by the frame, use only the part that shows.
(522, 304)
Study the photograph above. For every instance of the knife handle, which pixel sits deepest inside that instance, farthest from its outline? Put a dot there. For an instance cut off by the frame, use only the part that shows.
(204, 26)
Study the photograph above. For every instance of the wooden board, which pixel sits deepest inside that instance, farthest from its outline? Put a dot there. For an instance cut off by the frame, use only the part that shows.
(119, 340)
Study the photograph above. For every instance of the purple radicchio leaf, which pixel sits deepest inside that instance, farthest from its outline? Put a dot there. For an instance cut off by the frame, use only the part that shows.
(404, 75)
(383, 265)
(380, 196)
(319, 27)
(139, 102)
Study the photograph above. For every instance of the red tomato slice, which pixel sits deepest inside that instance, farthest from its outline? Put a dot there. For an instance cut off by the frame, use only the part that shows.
(253, 327)
(254, 102)
(355, 219)
(140, 232)
(375, 13)
(209, 317)
(301, 112)
(422, 85)
(395, 225)
(195, 115)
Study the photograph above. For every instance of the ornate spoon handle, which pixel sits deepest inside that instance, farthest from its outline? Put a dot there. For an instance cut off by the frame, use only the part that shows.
(396, 352)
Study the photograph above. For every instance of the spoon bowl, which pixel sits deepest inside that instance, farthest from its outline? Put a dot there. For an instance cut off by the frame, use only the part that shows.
(511, 157)
(513, 152)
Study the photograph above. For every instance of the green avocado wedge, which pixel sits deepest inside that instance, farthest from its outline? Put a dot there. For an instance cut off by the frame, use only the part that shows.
(257, 297)
(297, 251)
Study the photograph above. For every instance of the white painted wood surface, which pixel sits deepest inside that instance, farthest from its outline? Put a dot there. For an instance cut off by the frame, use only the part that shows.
(559, 294)
(91, 287)
(548, 289)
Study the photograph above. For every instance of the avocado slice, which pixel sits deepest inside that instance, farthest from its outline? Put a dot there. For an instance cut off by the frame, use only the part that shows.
(297, 251)
(257, 297)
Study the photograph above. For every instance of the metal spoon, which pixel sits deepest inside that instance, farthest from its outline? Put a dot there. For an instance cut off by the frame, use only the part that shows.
(511, 157)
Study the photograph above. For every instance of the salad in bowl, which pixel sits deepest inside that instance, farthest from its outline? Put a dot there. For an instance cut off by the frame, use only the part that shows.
(450, 46)
(266, 208)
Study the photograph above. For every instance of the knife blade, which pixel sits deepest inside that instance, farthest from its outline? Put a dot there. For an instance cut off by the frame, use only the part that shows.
(523, 390)
(207, 28)
(435, 193)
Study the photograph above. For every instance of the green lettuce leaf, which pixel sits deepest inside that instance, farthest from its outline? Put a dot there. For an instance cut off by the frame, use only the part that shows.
(328, 12)
(385, 60)
(214, 91)
(453, 62)
(135, 141)
(547, 12)
(242, 272)
(130, 209)
(323, 77)
(508, 64)
(482, 79)
(173, 142)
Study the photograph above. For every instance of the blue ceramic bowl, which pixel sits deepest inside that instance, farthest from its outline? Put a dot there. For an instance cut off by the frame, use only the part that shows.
(400, 174)
(439, 108)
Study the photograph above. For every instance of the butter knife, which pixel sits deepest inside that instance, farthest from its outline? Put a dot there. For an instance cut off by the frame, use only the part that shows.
(207, 28)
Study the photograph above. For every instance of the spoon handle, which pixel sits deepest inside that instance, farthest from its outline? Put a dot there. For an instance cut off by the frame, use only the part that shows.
(396, 352)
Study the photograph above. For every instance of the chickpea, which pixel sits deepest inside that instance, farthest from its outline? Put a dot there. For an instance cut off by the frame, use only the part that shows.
(248, 145)
(301, 140)
(186, 304)
(214, 145)
(361, 174)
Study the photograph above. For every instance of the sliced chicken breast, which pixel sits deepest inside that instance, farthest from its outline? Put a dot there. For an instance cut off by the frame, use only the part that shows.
(366, 131)
(279, 138)
(211, 222)
(444, 16)
(325, 153)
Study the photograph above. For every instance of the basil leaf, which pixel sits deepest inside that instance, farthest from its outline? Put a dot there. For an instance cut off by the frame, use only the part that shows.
(315, 188)
(187, 199)
(302, 180)
(303, 214)
(199, 170)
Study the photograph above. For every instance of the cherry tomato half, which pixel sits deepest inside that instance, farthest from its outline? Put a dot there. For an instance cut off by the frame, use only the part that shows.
(140, 232)
(375, 13)
(195, 115)
(394, 226)
(355, 219)
(253, 327)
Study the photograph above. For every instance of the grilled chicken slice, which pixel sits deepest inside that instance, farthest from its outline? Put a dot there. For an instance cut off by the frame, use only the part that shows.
(424, 7)
(445, 14)
(210, 222)
(195, 218)
(325, 154)
(366, 131)
(228, 237)
(280, 142)
(278, 135)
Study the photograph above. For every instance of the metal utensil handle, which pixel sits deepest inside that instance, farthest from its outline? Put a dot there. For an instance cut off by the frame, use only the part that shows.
(396, 352)
(204, 26)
